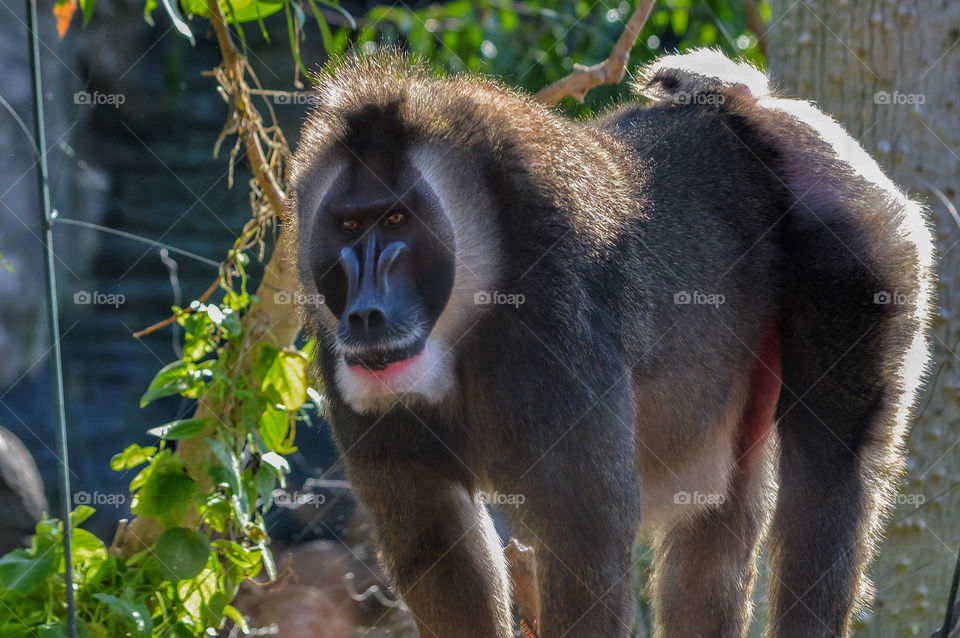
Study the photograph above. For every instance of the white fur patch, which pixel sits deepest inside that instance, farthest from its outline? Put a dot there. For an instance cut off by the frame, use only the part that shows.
(469, 209)
(428, 378)
(711, 66)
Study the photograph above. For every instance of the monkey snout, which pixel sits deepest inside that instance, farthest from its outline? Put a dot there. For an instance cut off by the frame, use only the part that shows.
(367, 324)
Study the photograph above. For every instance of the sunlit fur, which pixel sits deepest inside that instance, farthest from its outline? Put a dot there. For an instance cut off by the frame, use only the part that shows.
(601, 399)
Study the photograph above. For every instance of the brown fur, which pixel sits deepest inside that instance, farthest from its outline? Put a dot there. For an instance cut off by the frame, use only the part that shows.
(600, 397)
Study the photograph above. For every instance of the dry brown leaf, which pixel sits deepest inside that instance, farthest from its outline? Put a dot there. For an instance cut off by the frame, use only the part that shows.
(63, 12)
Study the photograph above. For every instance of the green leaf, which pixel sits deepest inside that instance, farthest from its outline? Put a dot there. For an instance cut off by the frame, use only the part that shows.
(292, 34)
(231, 324)
(133, 456)
(56, 629)
(266, 480)
(179, 377)
(268, 563)
(284, 376)
(273, 428)
(179, 430)
(87, 6)
(181, 553)
(23, 572)
(277, 463)
(328, 42)
(170, 6)
(135, 616)
(163, 492)
(198, 336)
(231, 474)
(80, 514)
(243, 10)
(249, 560)
(106, 569)
(86, 549)
(148, 9)
(234, 614)
(52, 630)
(199, 597)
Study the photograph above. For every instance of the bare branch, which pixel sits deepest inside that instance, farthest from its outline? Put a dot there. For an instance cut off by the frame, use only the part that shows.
(249, 124)
(522, 567)
(610, 71)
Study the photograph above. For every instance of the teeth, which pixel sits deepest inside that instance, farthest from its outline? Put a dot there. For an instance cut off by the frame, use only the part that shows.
(379, 360)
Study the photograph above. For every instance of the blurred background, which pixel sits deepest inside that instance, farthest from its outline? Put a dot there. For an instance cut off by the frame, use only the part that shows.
(131, 124)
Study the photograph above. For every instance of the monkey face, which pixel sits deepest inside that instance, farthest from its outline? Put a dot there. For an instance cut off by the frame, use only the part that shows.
(381, 253)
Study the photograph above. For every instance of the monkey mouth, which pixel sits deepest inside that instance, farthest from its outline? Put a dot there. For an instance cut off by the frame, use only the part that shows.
(379, 362)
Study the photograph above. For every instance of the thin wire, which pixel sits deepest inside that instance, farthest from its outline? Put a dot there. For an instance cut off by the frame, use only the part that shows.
(23, 125)
(951, 619)
(139, 238)
(172, 270)
(43, 185)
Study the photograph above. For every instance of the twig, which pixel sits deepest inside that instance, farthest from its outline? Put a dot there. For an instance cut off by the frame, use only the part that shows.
(246, 122)
(118, 535)
(522, 567)
(610, 71)
(247, 129)
(166, 322)
(755, 24)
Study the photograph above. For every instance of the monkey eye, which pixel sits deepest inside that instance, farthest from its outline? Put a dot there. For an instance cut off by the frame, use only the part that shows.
(395, 219)
(349, 225)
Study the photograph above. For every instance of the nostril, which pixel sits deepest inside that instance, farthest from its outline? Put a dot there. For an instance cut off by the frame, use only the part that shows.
(357, 323)
(368, 322)
(376, 321)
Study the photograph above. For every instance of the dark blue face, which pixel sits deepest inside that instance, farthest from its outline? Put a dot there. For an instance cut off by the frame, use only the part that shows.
(382, 256)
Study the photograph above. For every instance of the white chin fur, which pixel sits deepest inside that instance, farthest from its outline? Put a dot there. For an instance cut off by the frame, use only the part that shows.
(429, 378)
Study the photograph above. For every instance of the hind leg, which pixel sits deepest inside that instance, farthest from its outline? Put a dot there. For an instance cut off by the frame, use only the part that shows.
(705, 568)
(843, 414)
(838, 464)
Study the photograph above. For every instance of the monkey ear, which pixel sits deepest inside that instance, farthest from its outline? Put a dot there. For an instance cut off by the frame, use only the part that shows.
(704, 77)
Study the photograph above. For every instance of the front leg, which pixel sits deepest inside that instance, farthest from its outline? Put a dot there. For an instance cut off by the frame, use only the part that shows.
(580, 514)
(441, 549)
